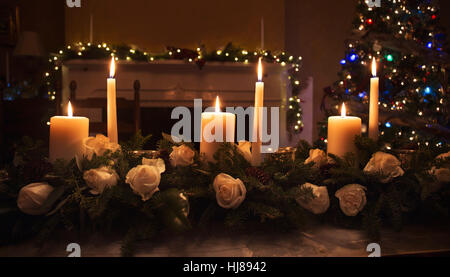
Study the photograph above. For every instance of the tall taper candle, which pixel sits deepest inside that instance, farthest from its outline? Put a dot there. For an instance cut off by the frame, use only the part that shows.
(373, 109)
(257, 119)
(112, 105)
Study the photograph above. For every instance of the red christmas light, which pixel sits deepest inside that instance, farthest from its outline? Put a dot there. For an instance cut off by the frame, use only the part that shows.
(433, 16)
(369, 21)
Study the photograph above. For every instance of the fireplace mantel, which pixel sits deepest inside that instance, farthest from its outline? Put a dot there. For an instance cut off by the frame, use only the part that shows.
(177, 83)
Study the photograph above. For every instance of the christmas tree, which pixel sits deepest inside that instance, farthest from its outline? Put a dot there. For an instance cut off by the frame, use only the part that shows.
(409, 45)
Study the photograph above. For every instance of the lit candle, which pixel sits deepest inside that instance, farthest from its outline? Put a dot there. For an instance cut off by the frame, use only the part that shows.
(373, 109)
(112, 105)
(66, 135)
(341, 133)
(217, 128)
(257, 120)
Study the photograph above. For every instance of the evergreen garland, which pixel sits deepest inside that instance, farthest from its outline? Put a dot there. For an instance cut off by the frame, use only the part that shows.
(271, 202)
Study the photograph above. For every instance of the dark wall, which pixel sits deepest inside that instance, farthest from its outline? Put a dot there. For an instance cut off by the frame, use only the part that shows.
(46, 17)
(445, 14)
(316, 30)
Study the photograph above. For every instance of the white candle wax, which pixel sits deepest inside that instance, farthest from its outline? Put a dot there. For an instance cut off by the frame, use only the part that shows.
(373, 104)
(66, 136)
(112, 105)
(217, 122)
(257, 119)
(341, 134)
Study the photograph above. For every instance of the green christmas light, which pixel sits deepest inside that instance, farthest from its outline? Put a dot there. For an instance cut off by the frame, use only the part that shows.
(389, 58)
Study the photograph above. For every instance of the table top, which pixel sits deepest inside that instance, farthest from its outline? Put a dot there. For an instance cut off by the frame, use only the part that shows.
(323, 241)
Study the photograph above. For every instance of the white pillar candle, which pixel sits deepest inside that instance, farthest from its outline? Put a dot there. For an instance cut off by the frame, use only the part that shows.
(257, 119)
(66, 136)
(112, 105)
(216, 123)
(373, 108)
(341, 133)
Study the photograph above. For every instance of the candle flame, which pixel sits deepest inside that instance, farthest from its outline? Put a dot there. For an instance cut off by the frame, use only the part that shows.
(217, 105)
(69, 110)
(343, 110)
(112, 69)
(260, 70)
(374, 67)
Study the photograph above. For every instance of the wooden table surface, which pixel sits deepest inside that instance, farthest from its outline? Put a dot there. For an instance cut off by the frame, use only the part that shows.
(324, 241)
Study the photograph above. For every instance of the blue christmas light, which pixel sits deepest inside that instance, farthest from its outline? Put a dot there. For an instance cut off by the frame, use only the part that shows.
(388, 124)
(429, 45)
(343, 61)
(362, 94)
(353, 57)
(427, 90)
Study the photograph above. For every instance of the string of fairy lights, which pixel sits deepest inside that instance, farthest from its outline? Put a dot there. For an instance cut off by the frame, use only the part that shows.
(198, 56)
(411, 81)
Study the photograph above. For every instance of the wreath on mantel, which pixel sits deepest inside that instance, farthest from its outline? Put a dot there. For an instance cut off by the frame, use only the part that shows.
(200, 57)
(140, 194)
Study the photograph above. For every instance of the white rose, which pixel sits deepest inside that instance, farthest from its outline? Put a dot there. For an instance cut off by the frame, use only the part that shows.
(320, 202)
(230, 192)
(442, 174)
(158, 163)
(385, 164)
(181, 156)
(32, 197)
(144, 180)
(100, 178)
(244, 149)
(318, 156)
(98, 146)
(352, 199)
